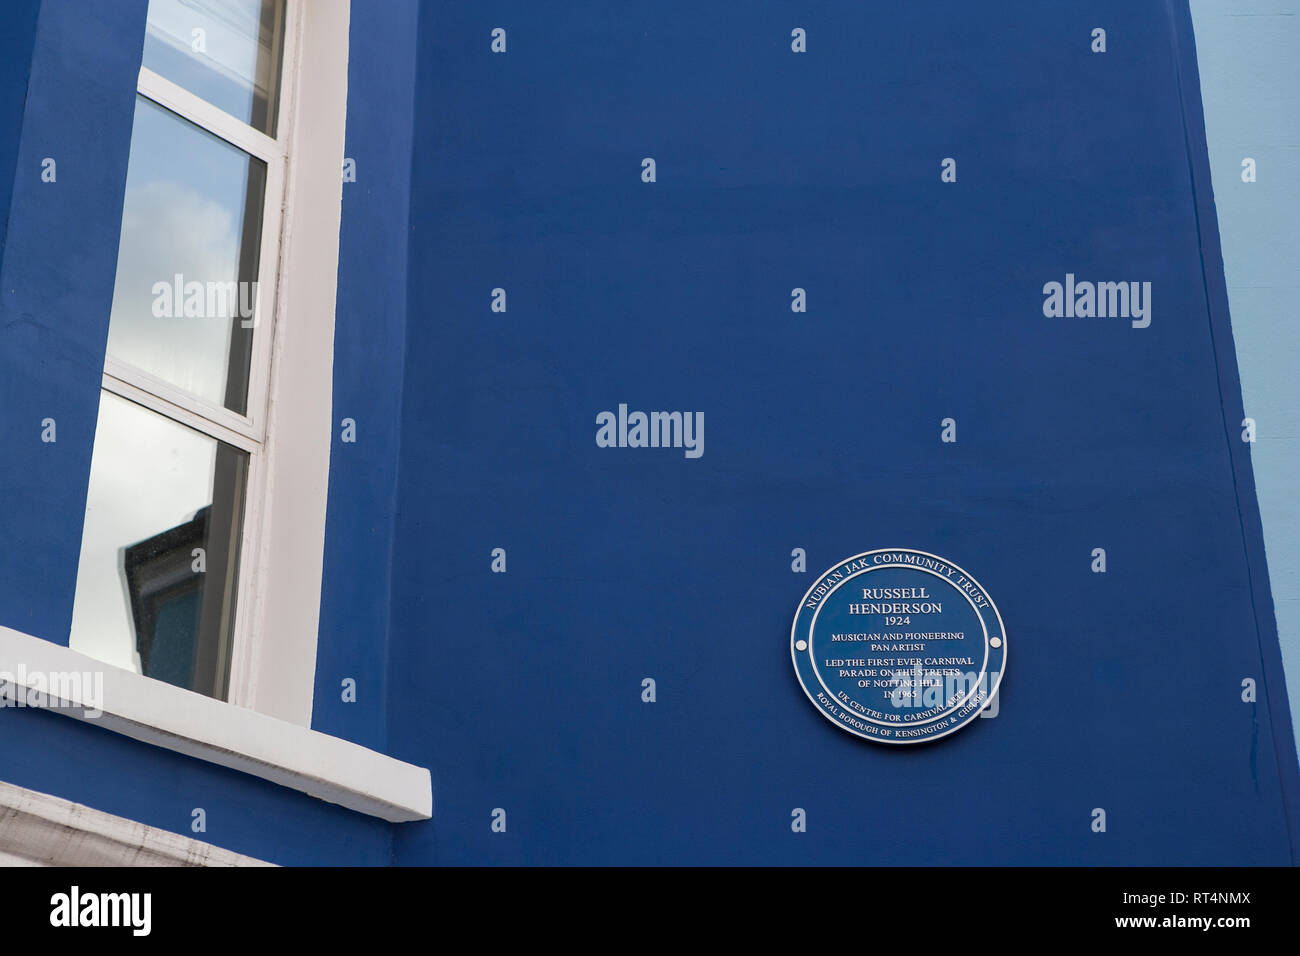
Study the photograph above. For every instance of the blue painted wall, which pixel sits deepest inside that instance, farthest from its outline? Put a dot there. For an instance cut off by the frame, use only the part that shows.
(15, 68)
(477, 431)
(822, 171)
(59, 264)
(369, 352)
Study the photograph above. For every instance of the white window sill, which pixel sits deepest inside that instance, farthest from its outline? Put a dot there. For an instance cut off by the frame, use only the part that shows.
(154, 712)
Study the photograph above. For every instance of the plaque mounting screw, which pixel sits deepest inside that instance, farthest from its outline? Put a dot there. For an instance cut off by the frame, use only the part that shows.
(801, 645)
(996, 641)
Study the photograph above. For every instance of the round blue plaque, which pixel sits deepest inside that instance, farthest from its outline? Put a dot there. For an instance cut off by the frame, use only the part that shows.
(898, 646)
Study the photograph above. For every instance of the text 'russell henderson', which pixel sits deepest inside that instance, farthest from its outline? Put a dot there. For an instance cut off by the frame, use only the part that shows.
(651, 430)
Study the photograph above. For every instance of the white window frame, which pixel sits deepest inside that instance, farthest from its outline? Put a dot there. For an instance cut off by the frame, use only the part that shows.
(176, 402)
(264, 727)
(248, 432)
(273, 639)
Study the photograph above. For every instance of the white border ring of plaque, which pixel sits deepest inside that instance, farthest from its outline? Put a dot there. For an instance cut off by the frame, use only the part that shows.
(911, 649)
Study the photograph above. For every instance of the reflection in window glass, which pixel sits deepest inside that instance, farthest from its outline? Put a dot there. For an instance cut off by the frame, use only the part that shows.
(226, 52)
(188, 259)
(160, 549)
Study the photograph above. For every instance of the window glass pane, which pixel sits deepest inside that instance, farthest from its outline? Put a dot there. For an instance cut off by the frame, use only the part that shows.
(225, 51)
(145, 601)
(188, 258)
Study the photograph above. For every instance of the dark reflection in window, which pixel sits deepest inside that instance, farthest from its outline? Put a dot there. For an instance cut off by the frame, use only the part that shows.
(184, 616)
(156, 586)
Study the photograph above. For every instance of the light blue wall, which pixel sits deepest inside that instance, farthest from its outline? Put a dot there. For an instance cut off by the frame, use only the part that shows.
(1249, 54)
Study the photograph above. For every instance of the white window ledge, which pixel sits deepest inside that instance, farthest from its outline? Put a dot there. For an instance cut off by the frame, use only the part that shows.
(37, 829)
(328, 768)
